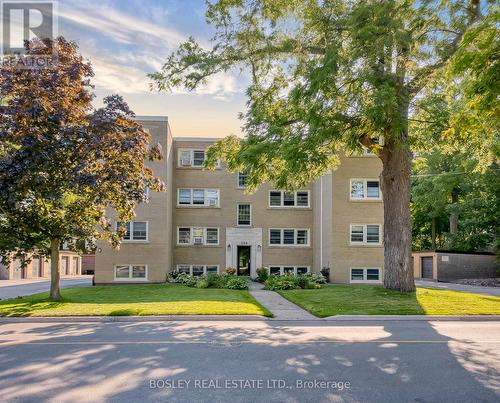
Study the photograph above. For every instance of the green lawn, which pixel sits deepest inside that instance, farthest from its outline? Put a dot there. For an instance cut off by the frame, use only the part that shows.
(136, 299)
(375, 300)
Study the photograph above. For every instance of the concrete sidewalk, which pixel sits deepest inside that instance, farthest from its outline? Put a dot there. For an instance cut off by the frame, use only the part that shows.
(493, 291)
(281, 308)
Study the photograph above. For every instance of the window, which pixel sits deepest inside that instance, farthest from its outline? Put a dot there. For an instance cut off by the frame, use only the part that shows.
(275, 237)
(197, 269)
(372, 234)
(197, 236)
(136, 230)
(242, 180)
(184, 236)
(365, 275)
(281, 270)
(184, 196)
(192, 158)
(365, 234)
(244, 214)
(278, 198)
(198, 158)
(212, 236)
(274, 270)
(288, 199)
(131, 272)
(289, 237)
(363, 189)
(274, 199)
(198, 197)
(302, 237)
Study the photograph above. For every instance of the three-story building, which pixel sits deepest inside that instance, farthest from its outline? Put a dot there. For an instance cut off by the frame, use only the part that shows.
(206, 222)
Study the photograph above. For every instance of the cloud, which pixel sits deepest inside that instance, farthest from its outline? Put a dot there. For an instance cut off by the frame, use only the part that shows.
(123, 48)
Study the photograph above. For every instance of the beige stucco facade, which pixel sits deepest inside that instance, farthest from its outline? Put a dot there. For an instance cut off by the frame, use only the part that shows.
(319, 221)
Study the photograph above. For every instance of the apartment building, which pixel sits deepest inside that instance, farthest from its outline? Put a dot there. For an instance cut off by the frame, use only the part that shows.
(206, 222)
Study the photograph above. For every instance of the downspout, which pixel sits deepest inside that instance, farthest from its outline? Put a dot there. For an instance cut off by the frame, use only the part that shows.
(321, 223)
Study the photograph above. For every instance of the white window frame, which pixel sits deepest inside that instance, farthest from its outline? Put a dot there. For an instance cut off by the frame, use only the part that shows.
(132, 240)
(365, 189)
(365, 275)
(238, 186)
(295, 206)
(130, 268)
(238, 214)
(295, 244)
(204, 268)
(191, 236)
(282, 268)
(191, 198)
(191, 152)
(365, 235)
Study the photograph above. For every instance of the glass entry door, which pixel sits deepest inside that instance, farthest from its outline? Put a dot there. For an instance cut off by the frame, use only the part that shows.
(243, 268)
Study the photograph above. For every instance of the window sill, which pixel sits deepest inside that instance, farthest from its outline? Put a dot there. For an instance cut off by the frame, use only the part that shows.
(185, 245)
(370, 199)
(128, 280)
(369, 245)
(365, 282)
(188, 206)
(136, 241)
(289, 208)
(289, 246)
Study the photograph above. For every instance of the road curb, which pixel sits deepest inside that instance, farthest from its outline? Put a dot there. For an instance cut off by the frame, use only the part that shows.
(247, 318)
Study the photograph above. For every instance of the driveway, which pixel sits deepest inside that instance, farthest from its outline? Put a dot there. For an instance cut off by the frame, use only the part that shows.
(20, 288)
(495, 291)
(222, 361)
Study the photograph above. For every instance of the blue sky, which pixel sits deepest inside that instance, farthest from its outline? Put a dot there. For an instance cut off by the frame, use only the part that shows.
(126, 39)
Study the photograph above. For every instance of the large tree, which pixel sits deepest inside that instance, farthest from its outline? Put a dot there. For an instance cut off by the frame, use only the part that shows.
(63, 163)
(327, 77)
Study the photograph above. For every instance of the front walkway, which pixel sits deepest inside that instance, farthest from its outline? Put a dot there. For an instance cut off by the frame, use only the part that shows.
(281, 308)
(494, 291)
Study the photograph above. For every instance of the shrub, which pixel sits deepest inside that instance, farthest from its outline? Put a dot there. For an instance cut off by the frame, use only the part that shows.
(215, 280)
(183, 278)
(286, 282)
(235, 283)
(231, 271)
(201, 283)
(175, 276)
(262, 275)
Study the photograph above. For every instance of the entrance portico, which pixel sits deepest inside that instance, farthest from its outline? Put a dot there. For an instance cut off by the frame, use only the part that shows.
(243, 247)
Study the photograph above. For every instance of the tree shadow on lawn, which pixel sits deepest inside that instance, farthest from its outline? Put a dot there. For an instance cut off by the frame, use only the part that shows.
(383, 361)
(336, 299)
(143, 299)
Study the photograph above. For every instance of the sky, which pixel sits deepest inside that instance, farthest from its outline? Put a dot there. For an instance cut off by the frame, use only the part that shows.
(127, 39)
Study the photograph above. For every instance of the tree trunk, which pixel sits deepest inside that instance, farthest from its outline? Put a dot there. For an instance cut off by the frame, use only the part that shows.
(395, 182)
(433, 233)
(55, 293)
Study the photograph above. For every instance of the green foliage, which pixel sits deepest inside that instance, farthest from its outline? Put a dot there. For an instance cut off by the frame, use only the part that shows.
(182, 278)
(215, 280)
(201, 283)
(63, 163)
(274, 283)
(262, 274)
(235, 283)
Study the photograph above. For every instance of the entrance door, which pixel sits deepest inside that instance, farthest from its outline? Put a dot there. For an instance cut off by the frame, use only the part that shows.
(243, 268)
(427, 267)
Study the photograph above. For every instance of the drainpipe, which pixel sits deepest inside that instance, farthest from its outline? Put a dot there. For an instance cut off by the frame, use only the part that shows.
(321, 223)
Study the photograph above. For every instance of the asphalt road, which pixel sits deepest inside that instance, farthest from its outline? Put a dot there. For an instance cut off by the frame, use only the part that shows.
(19, 288)
(262, 361)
